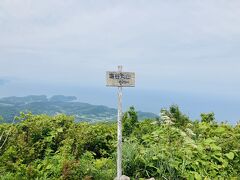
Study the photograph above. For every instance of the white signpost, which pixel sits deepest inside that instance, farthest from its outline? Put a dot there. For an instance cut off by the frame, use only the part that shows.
(120, 79)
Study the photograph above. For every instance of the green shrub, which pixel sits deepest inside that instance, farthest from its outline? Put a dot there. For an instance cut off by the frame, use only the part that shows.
(44, 147)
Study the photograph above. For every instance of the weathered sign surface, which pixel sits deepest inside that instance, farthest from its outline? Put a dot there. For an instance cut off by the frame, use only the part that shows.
(120, 79)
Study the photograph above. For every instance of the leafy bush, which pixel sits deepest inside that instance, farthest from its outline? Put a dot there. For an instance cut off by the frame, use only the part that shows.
(44, 147)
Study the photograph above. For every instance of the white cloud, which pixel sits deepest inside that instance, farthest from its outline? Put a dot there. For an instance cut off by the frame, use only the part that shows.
(119, 23)
(194, 42)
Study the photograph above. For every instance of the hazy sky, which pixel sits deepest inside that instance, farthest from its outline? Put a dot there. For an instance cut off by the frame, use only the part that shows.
(184, 52)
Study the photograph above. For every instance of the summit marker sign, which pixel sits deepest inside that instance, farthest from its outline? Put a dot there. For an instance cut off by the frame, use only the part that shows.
(120, 79)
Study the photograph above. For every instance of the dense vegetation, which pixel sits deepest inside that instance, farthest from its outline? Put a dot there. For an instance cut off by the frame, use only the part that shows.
(172, 147)
(40, 104)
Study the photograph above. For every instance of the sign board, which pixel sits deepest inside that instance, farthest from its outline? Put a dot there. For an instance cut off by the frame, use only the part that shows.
(120, 79)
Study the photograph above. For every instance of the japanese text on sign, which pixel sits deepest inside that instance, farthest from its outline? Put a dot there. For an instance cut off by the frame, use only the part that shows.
(121, 79)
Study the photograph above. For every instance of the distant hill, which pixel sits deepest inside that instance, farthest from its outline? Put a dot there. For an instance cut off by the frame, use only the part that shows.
(11, 106)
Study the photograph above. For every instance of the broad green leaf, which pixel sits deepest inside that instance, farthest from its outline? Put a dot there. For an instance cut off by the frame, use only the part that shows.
(49, 166)
(197, 176)
(209, 141)
(220, 130)
(60, 130)
(230, 155)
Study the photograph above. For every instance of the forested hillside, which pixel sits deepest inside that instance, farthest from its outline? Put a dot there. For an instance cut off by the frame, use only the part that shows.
(172, 147)
(59, 104)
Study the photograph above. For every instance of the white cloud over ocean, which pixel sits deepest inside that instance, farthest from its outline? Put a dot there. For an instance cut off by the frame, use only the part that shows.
(176, 46)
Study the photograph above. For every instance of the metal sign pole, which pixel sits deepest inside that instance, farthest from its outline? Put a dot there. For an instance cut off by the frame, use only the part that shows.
(119, 145)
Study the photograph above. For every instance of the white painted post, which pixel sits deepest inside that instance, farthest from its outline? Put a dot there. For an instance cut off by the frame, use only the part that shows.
(120, 79)
(119, 145)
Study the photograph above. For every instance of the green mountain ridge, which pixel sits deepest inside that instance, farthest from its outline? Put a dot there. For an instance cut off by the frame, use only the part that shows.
(59, 104)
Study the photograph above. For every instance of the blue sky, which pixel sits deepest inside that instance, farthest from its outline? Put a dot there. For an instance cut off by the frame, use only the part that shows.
(183, 52)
